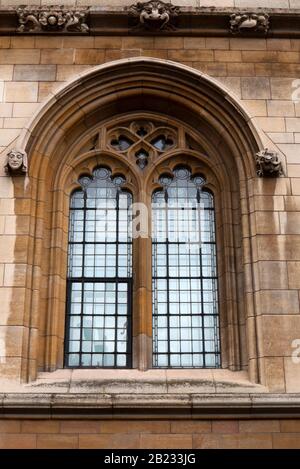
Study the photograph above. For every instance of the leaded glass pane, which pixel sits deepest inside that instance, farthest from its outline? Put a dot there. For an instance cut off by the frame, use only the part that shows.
(99, 274)
(185, 297)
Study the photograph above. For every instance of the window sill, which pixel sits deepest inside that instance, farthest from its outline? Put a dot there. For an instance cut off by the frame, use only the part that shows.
(107, 394)
(117, 381)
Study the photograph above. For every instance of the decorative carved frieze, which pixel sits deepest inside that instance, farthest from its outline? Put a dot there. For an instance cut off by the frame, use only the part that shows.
(51, 18)
(245, 22)
(268, 164)
(16, 163)
(154, 15)
(150, 18)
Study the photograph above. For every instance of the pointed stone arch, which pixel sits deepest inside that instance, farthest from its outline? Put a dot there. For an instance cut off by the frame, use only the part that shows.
(227, 140)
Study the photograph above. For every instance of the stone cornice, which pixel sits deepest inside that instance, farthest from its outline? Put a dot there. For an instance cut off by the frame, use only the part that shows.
(95, 405)
(190, 21)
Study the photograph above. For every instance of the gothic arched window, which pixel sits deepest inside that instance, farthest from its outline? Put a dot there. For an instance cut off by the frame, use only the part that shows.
(109, 305)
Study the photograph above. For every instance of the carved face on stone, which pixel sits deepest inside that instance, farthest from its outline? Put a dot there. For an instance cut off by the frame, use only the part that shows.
(15, 160)
(155, 11)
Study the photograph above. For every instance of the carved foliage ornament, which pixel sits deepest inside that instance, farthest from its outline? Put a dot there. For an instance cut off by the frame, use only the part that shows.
(16, 163)
(155, 15)
(244, 22)
(268, 164)
(52, 18)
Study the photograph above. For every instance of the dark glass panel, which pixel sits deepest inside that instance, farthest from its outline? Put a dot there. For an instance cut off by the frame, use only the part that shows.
(162, 143)
(122, 143)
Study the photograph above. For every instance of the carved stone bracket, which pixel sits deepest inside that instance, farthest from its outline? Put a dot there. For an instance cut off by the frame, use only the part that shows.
(16, 163)
(52, 18)
(154, 15)
(247, 22)
(268, 164)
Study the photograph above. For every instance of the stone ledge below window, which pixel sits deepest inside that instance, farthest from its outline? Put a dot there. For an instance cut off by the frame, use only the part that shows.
(133, 394)
(136, 382)
(148, 406)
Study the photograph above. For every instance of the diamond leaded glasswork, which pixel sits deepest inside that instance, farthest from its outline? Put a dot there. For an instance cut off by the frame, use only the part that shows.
(185, 297)
(99, 281)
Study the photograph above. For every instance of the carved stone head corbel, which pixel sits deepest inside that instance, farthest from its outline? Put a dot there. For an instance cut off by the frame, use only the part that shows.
(249, 22)
(154, 15)
(16, 163)
(268, 164)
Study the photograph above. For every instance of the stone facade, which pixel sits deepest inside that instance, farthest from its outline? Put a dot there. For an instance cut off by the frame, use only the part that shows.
(172, 434)
(243, 94)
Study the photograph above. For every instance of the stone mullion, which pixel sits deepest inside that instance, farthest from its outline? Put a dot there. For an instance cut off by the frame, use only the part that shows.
(142, 292)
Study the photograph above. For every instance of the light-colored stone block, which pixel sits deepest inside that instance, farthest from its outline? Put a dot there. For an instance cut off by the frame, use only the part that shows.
(241, 70)
(292, 373)
(269, 202)
(292, 203)
(34, 73)
(4, 42)
(267, 223)
(271, 124)
(137, 42)
(19, 56)
(21, 42)
(281, 137)
(14, 123)
(82, 42)
(293, 170)
(278, 44)
(86, 56)
(228, 56)
(294, 274)
(6, 109)
(66, 72)
(272, 275)
(293, 124)
(279, 332)
(295, 183)
(278, 247)
(168, 43)
(256, 107)
(281, 108)
(291, 151)
(290, 222)
(248, 44)
(273, 371)
(6, 72)
(57, 56)
(282, 88)
(15, 275)
(7, 136)
(281, 302)
(232, 83)
(191, 55)
(218, 43)
(21, 92)
(255, 88)
(24, 109)
(49, 42)
(109, 42)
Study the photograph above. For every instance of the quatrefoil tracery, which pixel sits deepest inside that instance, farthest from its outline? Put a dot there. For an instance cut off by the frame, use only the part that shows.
(143, 140)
